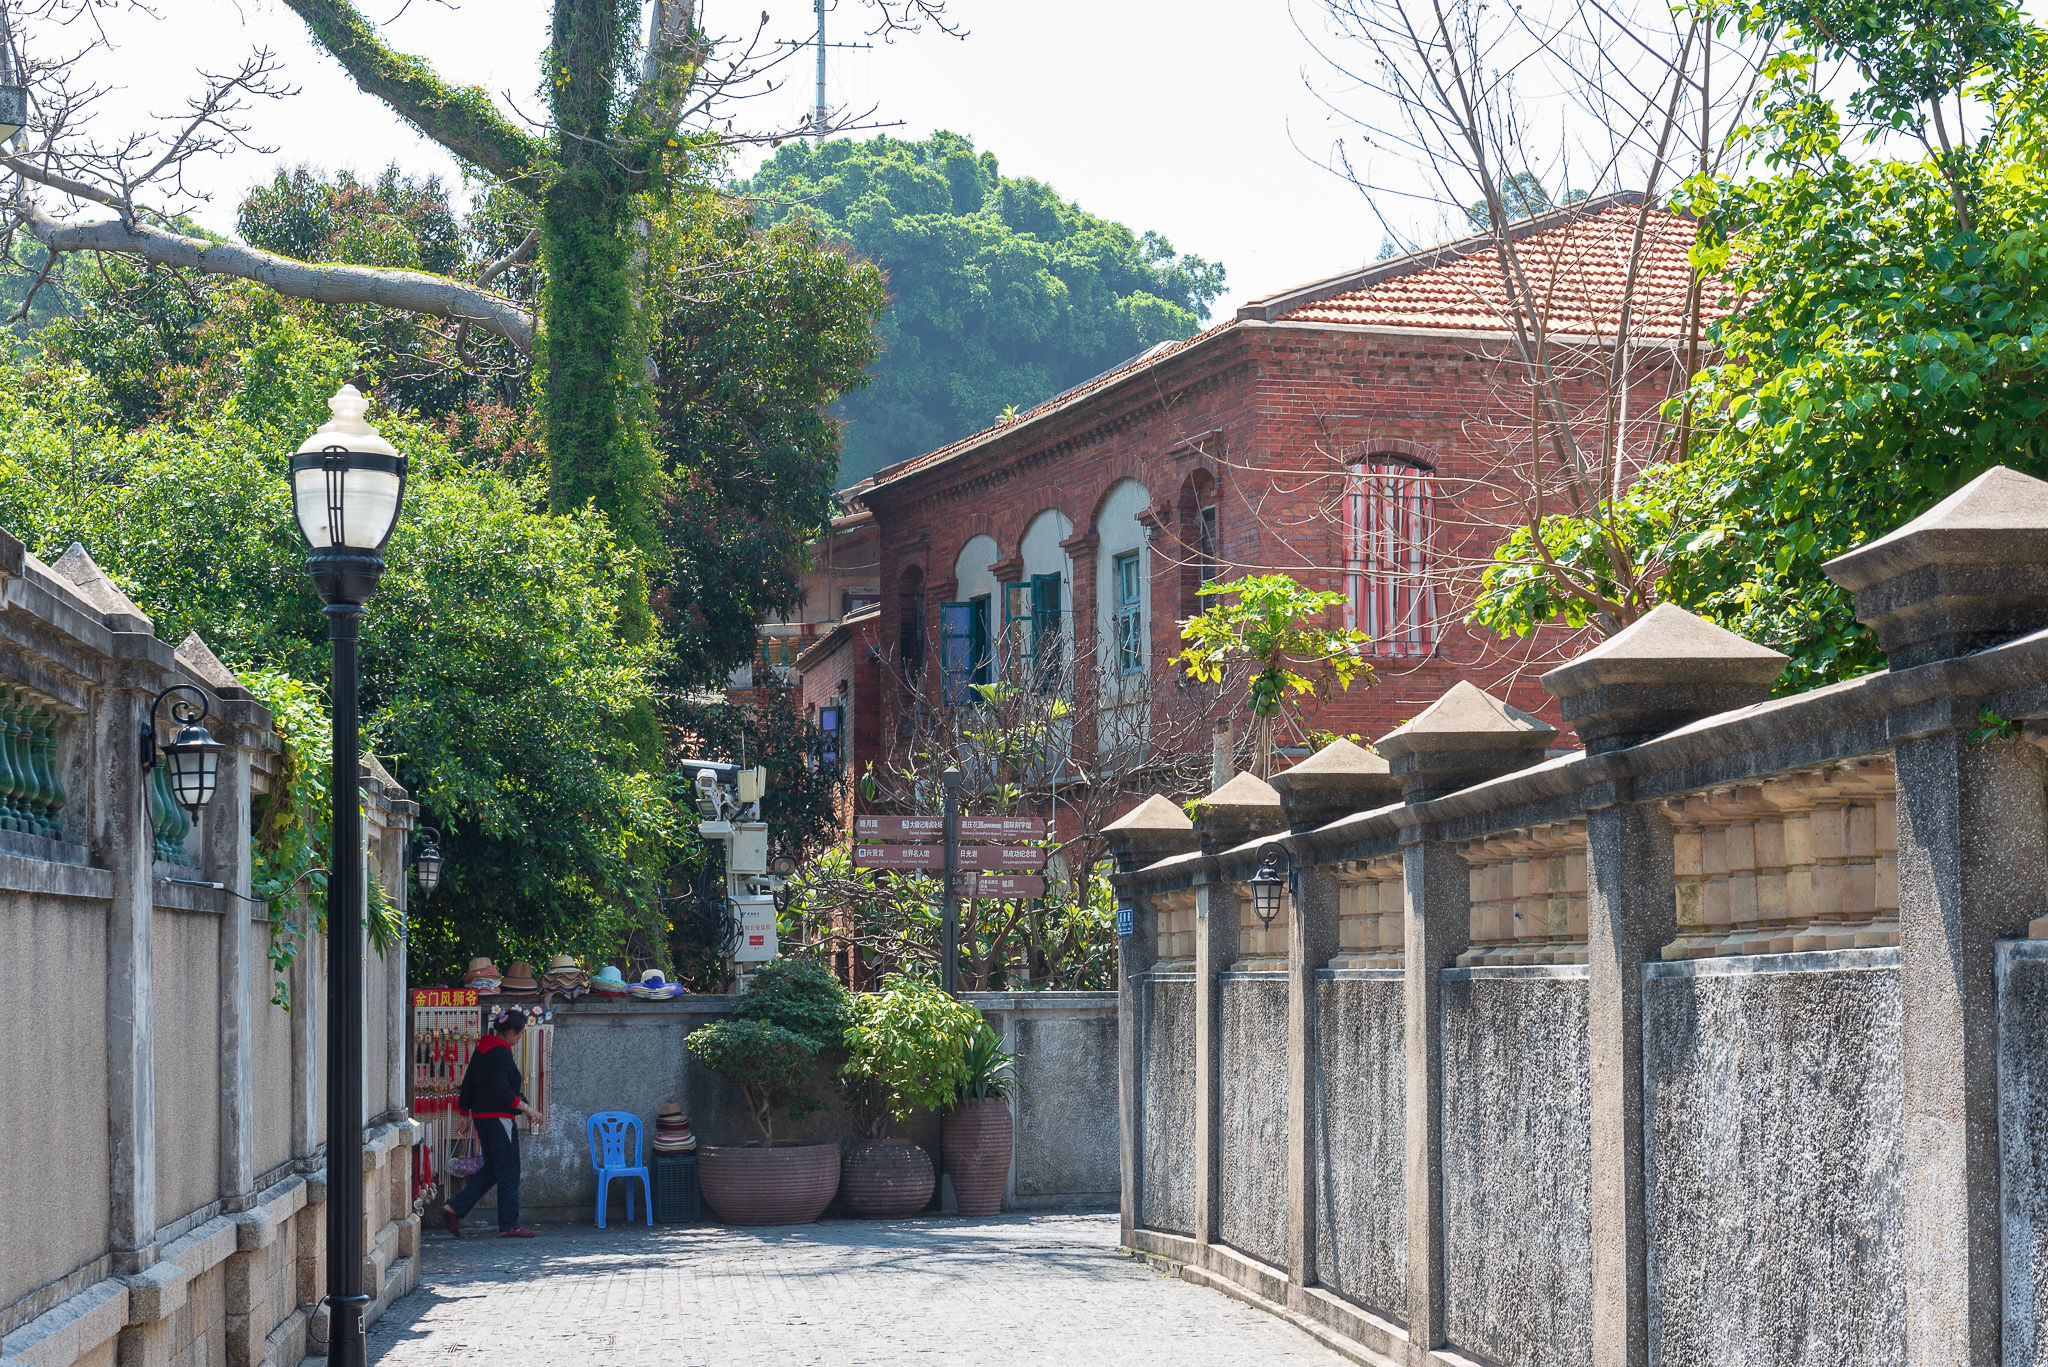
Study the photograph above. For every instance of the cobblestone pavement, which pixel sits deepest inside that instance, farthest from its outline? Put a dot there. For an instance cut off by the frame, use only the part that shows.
(1015, 1290)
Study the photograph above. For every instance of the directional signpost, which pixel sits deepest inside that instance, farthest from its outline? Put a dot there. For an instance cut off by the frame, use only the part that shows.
(920, 844)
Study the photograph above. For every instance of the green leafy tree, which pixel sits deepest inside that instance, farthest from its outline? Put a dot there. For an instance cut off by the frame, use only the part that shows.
(1001, 293)
(907, 1049)
(1272, 625)
(1888, 347)
(495, 681)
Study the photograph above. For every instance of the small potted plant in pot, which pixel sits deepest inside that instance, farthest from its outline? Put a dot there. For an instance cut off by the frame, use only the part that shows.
(906, 1049)
(976, 1130)
(794, 1012)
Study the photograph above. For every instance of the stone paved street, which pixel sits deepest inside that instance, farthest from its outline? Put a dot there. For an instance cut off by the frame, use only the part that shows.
(1020, 1289)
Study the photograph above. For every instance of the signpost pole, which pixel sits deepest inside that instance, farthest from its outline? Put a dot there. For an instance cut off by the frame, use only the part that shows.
(949, 924)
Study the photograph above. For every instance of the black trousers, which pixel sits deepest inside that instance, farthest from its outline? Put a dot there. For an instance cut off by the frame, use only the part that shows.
(500, 1141)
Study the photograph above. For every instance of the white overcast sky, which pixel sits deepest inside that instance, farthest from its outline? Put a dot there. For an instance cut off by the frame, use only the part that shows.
(1180, 116)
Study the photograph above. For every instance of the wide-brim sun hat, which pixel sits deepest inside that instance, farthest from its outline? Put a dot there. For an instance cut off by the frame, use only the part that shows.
(610, 974)
(562, 961)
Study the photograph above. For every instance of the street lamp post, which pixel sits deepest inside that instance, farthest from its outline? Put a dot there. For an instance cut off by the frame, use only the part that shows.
(347, 484)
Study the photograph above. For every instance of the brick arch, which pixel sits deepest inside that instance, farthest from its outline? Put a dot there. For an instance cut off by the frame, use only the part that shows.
(1411, 452)
(1125, 467)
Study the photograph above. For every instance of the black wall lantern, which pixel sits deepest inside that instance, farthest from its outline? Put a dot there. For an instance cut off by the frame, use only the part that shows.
(426, 860)
(192, 760)
(1268, 884)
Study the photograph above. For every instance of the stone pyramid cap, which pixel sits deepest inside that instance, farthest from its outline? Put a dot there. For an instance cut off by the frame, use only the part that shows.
(202, 664)
(1467, 736)
(1466, 717)
(1244, 807)
(1155, 813)
(1970, 572)
(1337, 780)
(1666, 669)
(77, 568)
(1151, 830)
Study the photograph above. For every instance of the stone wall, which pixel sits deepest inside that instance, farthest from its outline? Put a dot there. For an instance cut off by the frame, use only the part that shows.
(629, 1056)
(1166, 1125)
(1772, 1084)
(1717, 1040)
(160, 1147)
(1360, 1095)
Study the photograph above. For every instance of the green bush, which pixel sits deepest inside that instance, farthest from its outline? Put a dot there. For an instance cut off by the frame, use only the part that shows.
(907, 1048)
(771, 1064)
(799, 994)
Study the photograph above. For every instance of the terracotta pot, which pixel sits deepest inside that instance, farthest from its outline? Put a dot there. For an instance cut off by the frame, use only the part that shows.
(886, 1179)
(976, 1137)
(758, 1186)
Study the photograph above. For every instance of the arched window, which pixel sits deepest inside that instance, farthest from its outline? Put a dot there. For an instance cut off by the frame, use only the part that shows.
(1389, 521)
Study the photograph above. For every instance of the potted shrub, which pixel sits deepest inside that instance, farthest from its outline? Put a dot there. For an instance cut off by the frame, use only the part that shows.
(906, 1049)
(792, 1013)
(976, 1130)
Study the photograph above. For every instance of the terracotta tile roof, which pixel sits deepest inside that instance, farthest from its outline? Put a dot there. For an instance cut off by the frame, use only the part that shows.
(1576, 262)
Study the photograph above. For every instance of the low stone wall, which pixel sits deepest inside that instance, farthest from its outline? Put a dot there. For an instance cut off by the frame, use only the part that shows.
(629, 1056)
(1718, 1040)
(161, 1140)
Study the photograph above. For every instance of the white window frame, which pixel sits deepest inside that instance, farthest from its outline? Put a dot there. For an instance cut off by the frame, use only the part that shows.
(1389, 530)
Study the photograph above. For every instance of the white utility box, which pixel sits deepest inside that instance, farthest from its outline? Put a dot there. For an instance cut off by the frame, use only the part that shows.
(749, 848)
(757, 929)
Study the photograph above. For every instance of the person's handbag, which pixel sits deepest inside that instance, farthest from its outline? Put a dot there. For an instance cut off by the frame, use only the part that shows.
(471, 1160)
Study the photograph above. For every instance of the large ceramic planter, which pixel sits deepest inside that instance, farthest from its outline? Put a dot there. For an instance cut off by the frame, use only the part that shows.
(976, 1136)
(785, 1185)
(886, 1179)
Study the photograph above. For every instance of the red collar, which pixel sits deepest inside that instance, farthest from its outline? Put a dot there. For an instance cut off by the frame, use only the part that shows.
(492, 1041)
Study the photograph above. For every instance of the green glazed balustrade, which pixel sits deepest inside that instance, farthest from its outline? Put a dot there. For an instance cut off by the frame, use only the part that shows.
(31, 795)
(169, 819)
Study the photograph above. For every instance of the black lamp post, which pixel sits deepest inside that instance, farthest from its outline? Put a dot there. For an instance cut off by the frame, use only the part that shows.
(347, 483)
(1267, 885)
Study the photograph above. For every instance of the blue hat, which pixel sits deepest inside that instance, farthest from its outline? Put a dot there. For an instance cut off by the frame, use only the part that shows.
(610, 974)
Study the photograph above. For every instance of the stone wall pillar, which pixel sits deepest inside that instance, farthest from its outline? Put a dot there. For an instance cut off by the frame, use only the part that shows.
(1631, 914)
(1666, 669)
(1971, 572)
(1242, 809)
(1467, 736)
(1973, 860)
(123, 841)
(1336, 781)
(1152, 830)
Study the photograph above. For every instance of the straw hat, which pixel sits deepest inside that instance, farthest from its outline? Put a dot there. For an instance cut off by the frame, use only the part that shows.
(561, 961)
(652, 984)
(520, 979)
(670, 1108)
(481, 967)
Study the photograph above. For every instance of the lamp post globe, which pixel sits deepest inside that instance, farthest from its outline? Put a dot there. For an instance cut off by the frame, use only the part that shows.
(347, 485)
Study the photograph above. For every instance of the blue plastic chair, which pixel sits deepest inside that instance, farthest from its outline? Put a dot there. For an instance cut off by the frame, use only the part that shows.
(607, 1131)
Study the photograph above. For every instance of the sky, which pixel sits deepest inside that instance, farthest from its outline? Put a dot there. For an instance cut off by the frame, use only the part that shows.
(1185, 117)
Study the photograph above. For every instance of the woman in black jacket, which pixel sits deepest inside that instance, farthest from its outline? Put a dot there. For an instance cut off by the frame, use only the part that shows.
(491, 1098)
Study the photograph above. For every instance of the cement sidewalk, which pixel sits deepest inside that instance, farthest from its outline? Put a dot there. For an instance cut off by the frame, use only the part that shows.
(1019, 1289)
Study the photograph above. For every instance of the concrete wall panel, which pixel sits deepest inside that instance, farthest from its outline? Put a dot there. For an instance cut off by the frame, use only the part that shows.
(53, 1110)
(1772, 1120)
(1361, 1186)
(2023, 1147)
(1167, 1177)
(270, 1049)
(1252, 1140)
(185, 967)
(1067, 1068)
(1518, 1280)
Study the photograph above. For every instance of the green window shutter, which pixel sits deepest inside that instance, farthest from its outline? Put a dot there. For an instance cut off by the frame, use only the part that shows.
(1045, 629)
(981, 668)
(956, 652)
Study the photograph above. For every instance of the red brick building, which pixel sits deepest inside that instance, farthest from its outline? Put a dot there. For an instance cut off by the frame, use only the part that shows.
(1348, 433)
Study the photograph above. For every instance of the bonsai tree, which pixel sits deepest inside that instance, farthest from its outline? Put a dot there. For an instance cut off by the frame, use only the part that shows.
(793, 1011)
(907, 1048)
(798, 993)
(770, 1064)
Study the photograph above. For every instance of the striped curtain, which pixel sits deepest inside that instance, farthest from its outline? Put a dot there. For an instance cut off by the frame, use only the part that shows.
(1389, 519)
